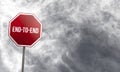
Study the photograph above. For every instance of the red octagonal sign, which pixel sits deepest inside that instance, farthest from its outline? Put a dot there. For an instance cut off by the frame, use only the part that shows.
(25, 29)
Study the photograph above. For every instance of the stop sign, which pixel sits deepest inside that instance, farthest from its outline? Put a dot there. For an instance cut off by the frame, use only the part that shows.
(25, 29)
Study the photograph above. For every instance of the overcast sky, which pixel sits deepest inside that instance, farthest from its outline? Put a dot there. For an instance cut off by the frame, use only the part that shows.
(78, 36)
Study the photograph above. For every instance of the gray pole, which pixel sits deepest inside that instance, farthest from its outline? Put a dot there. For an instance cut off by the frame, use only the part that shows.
(23, 58)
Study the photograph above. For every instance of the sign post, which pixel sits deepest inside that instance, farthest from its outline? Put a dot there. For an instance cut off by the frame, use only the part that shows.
(23, 58)
(25, 30)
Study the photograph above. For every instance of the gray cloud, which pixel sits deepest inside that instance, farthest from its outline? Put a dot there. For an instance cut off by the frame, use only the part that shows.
(78, 36)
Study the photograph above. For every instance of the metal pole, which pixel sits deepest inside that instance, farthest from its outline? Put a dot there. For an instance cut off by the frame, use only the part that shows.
(23, 58)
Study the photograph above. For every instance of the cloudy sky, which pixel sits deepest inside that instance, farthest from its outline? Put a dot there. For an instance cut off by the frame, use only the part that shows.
(78, 36)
